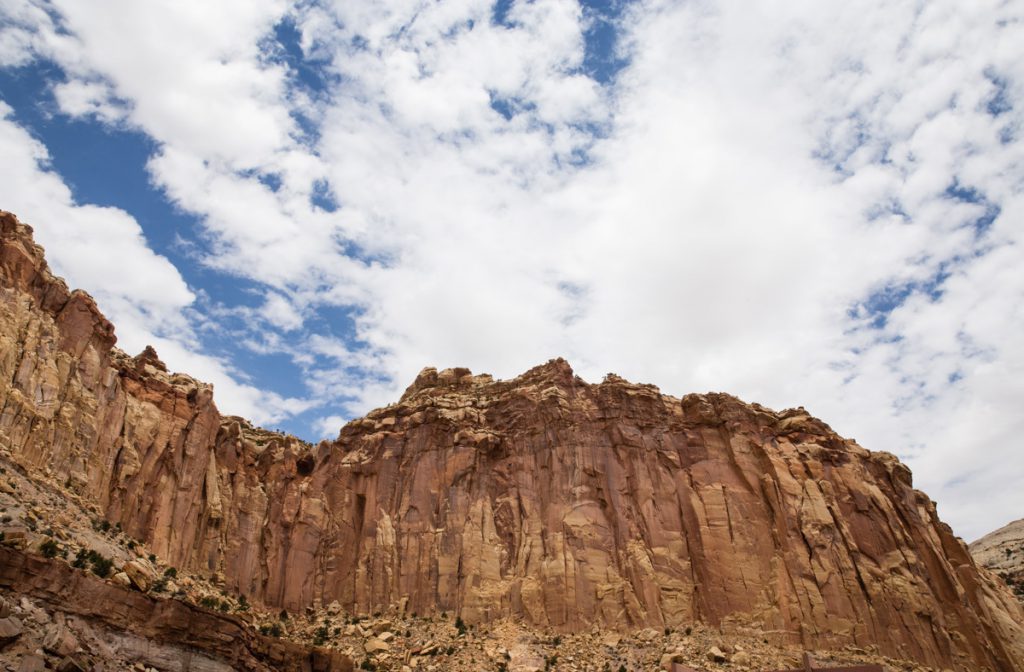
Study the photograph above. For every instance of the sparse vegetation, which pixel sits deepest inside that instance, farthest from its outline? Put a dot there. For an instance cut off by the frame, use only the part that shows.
(50, 549)
(100, 564)
(321, 635)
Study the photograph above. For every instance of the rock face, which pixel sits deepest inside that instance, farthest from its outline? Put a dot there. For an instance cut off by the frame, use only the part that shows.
(190, 638)
(1002, 552)
(544, 498)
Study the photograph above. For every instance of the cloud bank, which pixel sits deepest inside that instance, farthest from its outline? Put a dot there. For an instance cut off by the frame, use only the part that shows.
(801, 204)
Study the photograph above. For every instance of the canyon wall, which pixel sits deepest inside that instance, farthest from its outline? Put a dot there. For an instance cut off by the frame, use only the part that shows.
(544, 497)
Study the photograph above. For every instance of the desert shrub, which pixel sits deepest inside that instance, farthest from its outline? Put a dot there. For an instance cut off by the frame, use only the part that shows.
(50, 548)
(101, 565)
(321, 635)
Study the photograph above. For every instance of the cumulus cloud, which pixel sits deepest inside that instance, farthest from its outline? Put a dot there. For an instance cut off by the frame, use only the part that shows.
(103, 249)
(803, 204)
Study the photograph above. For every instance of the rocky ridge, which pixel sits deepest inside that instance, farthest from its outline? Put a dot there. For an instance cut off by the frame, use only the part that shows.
(543, 501)
(1002, 552)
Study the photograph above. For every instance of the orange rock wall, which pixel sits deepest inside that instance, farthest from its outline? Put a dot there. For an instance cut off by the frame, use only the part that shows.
(543, 497)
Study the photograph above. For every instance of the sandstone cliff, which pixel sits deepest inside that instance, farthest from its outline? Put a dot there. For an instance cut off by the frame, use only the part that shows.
(545, 498)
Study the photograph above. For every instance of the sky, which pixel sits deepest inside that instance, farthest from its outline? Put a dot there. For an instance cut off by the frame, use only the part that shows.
(801, 203)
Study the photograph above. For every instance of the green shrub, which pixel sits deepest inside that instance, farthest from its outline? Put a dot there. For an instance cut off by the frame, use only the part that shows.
(101, 566)
(321, 635)
(50, 548)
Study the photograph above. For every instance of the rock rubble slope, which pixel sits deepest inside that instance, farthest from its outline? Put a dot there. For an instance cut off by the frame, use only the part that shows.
(546, 499)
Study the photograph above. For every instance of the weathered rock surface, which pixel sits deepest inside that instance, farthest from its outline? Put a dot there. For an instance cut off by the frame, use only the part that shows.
(1003, 549)
(1002, 552)
(186, 637)
(544, 498)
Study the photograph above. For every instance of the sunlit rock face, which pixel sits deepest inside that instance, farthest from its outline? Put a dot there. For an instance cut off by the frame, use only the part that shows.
(544, 498)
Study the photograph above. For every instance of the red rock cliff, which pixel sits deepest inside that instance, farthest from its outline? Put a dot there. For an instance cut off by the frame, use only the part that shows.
(544, 497)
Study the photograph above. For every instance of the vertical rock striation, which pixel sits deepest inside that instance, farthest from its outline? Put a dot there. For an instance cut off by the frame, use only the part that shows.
(544, 497)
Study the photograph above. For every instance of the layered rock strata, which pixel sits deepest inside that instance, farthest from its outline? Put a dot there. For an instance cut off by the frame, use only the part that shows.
(167, 633)
(544, 498)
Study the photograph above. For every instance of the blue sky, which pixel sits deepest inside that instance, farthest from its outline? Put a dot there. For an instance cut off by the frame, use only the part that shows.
(307, 203)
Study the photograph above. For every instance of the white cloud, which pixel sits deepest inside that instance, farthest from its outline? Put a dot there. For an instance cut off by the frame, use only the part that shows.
(103, 249)
(82, 241)
(79, 98)
(761, 171)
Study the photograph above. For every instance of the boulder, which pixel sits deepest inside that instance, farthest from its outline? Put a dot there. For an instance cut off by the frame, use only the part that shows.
(32, 662)
(59, 640)
(10, 630)
(374, 645)
(140, 574)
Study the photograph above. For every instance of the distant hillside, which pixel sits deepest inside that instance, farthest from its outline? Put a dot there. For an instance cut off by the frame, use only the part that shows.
(1002, 551)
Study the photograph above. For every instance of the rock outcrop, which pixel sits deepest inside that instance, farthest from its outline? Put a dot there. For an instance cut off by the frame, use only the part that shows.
(1002, 551)
(544, 498)
(169, 633)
